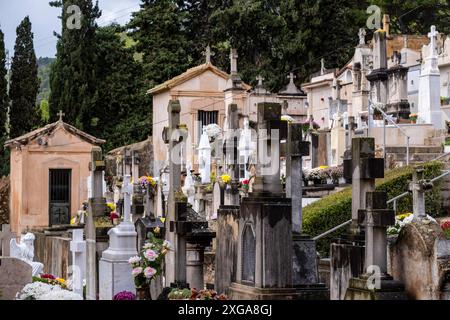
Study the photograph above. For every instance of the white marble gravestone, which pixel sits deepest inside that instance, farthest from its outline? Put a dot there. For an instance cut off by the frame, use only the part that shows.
(78, 249)
(114, 269)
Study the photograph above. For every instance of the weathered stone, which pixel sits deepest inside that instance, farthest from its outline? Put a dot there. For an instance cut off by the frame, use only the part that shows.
(14, 275)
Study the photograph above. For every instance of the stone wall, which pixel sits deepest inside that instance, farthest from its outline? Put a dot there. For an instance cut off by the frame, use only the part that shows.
(4, 200)
(420, 258)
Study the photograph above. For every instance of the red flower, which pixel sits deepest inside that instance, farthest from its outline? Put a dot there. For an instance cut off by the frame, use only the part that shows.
(113, 216)
(48, 276)
(445, 225)
(245, 182)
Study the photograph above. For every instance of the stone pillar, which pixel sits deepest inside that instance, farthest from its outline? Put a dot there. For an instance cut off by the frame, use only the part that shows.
(376, 283)
(347, 252)
(194, 265)
(97, 208)
(418, 187)
(78, 249)
(114, 269)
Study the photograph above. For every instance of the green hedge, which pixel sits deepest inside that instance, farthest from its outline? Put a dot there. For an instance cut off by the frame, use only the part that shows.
(335, 209)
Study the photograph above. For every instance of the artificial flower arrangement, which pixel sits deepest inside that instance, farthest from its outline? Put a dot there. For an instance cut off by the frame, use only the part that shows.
(446, 228)
(149, 263)
(194, 294)
(111, 206)
(335, 173)
(225, 178)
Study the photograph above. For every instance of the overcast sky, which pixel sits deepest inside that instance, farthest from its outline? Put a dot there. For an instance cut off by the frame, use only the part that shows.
(45, 20)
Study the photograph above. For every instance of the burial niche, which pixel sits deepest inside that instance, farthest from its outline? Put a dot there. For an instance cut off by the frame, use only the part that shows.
(248, 255)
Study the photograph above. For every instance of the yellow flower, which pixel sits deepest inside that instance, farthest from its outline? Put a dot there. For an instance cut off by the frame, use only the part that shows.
(73, 221)
(151, 180)
(61, 280)
(162, 219)
(111, 206)
(226, 178)
(402, 216)
(323, 167)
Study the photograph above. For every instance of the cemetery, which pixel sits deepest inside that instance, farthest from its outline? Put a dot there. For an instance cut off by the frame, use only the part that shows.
(338, 189)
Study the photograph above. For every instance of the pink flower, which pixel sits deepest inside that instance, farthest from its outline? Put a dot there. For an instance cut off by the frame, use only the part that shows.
(136, 271)
(150, 255)
(149, 272)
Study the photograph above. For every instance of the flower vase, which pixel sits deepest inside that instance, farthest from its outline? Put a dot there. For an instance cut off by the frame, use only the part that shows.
(143, 293)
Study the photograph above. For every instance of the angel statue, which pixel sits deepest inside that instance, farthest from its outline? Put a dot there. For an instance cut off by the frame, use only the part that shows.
(25, 252)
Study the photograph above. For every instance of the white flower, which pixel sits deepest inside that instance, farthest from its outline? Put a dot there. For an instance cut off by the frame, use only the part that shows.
(147, 245)
(61, 295)
(135, 259)
(136, 271)
(150, 255)
(149, 272)
(33, 291)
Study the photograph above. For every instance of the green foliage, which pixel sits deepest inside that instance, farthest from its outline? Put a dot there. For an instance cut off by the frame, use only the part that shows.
(335, 209)
(24, 82)
(44, 68)
(4, 103)
(44, 111)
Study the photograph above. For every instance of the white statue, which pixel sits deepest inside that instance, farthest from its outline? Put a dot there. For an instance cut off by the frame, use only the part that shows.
(25, 252)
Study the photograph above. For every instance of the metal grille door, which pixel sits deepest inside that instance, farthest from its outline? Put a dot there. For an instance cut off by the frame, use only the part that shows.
(59, 200)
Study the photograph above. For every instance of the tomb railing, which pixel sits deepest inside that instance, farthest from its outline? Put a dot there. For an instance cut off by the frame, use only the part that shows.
(392, 201)
(373, 107)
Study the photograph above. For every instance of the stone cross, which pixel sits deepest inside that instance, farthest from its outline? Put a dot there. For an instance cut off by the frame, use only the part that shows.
(362, 36)
(376, 218)
(208, 54)
(97, 207)
(5, 238)
(418, 187)
(61, 115)
(270, 128)
(432, 46)
(78, 249)
(296, 148)
(291, 77)
(233, 58)
(322, 66)
(175, 260)
(365, 169)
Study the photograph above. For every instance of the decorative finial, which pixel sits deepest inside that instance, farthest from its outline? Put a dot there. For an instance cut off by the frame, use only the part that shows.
(260, 80)
(61, 115)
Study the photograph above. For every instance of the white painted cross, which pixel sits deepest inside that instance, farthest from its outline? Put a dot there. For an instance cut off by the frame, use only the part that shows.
(127, 190)
(260, 80)
(433, 36)
(78, 249)
(291, 77)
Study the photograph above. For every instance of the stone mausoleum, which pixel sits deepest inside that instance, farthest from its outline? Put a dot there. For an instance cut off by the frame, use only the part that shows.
(49, 172)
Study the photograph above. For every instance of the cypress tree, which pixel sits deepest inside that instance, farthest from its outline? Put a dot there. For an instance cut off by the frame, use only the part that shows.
(24, 82)
(73, 80)
(4, 102)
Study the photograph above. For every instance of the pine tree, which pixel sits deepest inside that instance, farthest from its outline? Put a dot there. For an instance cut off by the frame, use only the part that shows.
(73, 80)
(24, 82)
(4, 103)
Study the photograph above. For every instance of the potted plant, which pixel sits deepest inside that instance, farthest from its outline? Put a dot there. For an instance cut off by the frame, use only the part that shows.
(413, 118)
(148, 265)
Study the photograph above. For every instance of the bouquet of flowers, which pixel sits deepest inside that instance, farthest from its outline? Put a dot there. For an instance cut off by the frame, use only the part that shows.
(51, 279)
(400, 221)
(413, 117)
(319, 174)
(446, 227)
(225, 178)
(194, 294)
(335, 173)
(149, 263)
(245, 185)
(147, 182)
